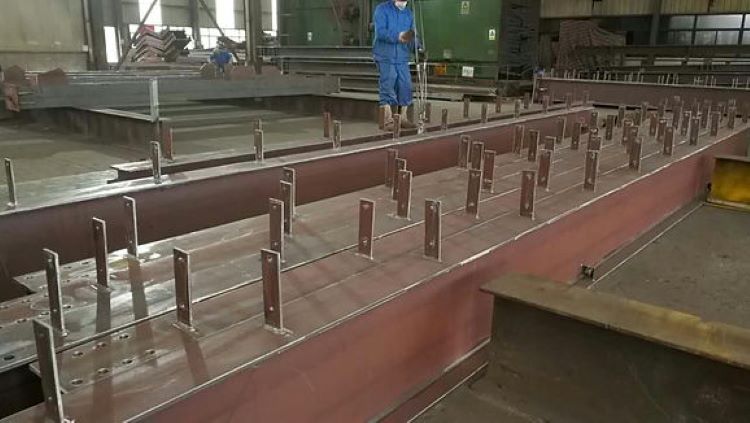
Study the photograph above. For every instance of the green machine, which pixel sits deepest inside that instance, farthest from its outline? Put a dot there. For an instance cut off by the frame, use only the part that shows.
(467, 40)
(480, 39)
(324, 22)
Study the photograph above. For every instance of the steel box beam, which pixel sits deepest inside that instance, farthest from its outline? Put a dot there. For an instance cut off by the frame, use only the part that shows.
(210, 197)
(614, 93)
(101, 95)
(535, 322)
(335, 105)
(435, 339)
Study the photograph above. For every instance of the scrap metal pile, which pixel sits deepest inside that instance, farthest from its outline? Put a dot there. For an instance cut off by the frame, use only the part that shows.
(163, 46)
(336, 285)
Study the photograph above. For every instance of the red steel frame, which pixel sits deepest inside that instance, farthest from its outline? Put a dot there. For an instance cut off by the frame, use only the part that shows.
(205, 198)
(618, 92)
(383, 352)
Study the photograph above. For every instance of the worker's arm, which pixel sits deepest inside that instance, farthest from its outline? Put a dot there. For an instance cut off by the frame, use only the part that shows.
(381, 27)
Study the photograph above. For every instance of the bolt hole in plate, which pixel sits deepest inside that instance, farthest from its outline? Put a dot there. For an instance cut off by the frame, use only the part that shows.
(102, 371)
(9, 357)
(78, 354)
(128, 361)
(76, 382)
(123, 336)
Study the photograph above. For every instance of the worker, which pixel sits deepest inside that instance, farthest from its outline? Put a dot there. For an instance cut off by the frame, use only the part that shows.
(221, 57)
(394, 42)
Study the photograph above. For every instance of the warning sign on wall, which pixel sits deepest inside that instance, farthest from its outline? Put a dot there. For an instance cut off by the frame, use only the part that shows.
(465, 7)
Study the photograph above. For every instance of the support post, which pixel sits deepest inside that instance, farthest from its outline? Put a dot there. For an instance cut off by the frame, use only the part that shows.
(271, 273)
(156, 161)
(276, 225)
(52, 270)
(336, 134)
(258, 141)
(10, 177)
(47, 358)
(182, 287)
(403, 201)
(488, 171)
(131, 227)
(528, 193)
(472, 193)
(366, 227)
(432, 229)
(99, 228)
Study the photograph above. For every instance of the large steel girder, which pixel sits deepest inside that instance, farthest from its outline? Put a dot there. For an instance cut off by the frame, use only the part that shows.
(404, 319)
(186, 202)
(633, 94)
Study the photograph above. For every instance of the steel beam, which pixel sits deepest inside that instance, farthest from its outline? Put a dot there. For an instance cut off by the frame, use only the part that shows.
(352, 307)
(136, 93)
(211, 197)
(614, 93)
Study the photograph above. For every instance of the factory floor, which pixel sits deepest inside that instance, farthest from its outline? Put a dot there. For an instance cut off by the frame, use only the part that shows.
(698, 266)
(40, 152)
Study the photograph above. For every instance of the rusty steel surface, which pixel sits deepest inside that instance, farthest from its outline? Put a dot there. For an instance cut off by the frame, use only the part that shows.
(637, 362)
(57, 217)
(214, 371)
(153, 291)
(183, 163)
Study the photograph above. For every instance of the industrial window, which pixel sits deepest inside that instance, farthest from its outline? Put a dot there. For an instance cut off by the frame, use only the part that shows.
(681, 22)
(716, 37)
(705, 38)
(727, 37)
(719, 22)
(682, 38)
(709, 29)
(110, 43)
(225, 13)
(155, 17)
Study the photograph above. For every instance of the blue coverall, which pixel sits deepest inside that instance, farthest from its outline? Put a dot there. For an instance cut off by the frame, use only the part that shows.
(220, 58)
(392, 56)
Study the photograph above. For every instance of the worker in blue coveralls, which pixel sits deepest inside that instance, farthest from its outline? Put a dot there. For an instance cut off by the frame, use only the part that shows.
(220, 57)
(394, 42)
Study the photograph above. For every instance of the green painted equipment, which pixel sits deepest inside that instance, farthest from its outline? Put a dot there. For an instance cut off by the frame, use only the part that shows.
(324, 22)
(465, 39)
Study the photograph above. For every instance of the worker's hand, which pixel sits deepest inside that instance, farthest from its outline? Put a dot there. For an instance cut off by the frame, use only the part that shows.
(406, 36)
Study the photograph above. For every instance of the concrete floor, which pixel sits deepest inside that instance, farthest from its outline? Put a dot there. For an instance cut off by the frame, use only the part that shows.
(700, 266)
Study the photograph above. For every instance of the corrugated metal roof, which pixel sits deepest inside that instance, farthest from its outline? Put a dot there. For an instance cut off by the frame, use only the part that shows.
(565, 8)
(684, 6)
(619, 7)
(721, 6)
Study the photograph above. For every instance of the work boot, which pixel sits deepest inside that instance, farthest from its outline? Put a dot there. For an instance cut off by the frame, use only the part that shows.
(405, 124)
(387, 118)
